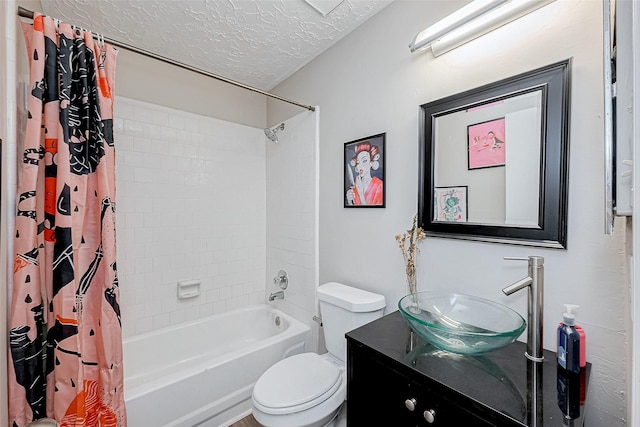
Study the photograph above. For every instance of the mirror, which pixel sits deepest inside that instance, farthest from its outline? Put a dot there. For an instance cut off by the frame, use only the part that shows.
(494, 160)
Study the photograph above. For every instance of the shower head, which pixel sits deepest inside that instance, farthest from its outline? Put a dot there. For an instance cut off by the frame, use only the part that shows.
(271, 133)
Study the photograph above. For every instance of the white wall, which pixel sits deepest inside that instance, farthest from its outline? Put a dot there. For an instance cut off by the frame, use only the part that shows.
(292, 217)
(159, 83)
(633, 33)
(369, 83)
(191, 200)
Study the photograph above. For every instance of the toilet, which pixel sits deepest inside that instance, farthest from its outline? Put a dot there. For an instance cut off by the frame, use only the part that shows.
(308, 389)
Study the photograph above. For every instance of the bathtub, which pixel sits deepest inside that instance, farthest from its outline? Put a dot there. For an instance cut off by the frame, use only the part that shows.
(202, 373)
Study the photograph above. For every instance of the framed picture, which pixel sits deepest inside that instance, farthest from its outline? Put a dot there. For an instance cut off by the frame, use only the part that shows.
(450, 204)
(486, 144)
(364, 161)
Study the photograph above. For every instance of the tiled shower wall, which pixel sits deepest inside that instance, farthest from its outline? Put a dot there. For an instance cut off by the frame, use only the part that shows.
(191, 204)
(292, 217)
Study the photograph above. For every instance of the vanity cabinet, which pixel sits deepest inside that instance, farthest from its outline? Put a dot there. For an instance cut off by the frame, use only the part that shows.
(395, 379)
(380, 394)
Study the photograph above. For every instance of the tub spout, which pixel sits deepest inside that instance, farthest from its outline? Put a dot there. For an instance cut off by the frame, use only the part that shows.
(534, 282)
(276, 295)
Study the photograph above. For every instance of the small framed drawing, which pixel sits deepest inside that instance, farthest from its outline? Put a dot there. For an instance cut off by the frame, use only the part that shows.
(450, 204)
(486, 144)
(364, 167)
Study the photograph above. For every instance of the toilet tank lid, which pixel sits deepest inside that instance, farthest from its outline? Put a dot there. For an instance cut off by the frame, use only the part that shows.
(352, 299)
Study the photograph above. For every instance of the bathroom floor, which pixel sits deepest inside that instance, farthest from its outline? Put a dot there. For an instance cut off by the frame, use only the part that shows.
(247, 421)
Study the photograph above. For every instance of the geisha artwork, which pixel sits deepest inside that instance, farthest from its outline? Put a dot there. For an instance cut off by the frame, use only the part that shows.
(364, 172)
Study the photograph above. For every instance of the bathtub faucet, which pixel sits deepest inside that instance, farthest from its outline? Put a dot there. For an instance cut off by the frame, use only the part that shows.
(276, 295)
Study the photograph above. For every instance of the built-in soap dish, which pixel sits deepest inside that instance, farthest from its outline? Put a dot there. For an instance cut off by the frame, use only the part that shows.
(188, 289)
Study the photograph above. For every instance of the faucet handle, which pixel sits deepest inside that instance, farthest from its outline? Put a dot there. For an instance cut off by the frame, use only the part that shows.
(533, 260)
(282, 279)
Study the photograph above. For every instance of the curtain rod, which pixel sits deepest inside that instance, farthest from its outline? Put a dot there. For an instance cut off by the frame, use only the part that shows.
(26, 13)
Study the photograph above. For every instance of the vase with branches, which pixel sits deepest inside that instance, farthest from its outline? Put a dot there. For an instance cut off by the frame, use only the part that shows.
(408, 243)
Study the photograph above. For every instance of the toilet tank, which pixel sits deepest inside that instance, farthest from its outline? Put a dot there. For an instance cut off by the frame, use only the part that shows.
(344, 308)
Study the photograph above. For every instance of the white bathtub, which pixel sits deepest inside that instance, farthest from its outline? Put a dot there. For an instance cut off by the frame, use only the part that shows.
(202, 373)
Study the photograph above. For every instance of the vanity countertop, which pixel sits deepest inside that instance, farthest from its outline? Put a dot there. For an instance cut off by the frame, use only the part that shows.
(495, 382)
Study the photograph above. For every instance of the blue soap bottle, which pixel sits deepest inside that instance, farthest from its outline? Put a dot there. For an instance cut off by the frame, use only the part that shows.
(569, 341)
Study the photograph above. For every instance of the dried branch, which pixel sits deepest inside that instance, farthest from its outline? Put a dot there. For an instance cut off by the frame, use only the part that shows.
(408, 244)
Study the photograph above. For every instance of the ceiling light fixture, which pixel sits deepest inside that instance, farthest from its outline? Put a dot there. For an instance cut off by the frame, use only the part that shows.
(475, 19)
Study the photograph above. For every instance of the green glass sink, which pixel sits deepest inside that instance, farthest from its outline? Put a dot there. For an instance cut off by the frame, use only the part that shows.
(459, 323)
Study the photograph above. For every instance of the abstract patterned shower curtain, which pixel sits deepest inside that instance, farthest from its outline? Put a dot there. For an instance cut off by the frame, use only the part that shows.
(65, 333)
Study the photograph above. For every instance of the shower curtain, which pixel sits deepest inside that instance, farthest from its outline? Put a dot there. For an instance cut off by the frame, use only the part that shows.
(65, 336)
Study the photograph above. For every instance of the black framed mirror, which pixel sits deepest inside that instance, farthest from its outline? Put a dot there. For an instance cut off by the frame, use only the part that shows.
(494, 161)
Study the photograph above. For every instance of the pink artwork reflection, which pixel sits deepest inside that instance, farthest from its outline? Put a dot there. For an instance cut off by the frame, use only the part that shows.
(486, 144)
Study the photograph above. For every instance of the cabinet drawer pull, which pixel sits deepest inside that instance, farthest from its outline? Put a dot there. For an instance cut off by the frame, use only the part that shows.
(410, 404)
(430, 415)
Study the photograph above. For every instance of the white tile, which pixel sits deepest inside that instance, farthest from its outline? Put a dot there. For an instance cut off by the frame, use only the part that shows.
(133, 220)
(122, 109)
(175, 149)
(184, 136)
(191, 122)
(152, 220)
(168, 134)
(176, 121)
(142, 114)
(134, 159)
(153, 161)
(142, 235)
(152, 308)
(206, 309)
(219, 306)
(159, 117)
(123, 142)
(189, 191)
(143, 175)
(232, 303)
(144, 325)
(133, 128)
(160, 146)
(142, 144)
(143, 265)
(142, 204)
(161, 321)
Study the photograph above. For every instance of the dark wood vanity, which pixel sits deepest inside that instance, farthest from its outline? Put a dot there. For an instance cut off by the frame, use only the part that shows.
(395, 379)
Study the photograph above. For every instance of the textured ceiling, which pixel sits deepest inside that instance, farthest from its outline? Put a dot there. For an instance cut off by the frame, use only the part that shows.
(256, 42)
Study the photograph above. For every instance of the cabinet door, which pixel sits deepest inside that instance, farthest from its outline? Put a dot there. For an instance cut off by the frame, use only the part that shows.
(443, 410)
(377, 395)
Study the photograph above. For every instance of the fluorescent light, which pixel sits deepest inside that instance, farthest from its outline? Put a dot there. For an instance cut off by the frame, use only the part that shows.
(456, 19)
(482, 23)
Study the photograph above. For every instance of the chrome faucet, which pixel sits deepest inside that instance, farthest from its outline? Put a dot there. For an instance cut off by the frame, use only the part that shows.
(535, 284)
(276, 295)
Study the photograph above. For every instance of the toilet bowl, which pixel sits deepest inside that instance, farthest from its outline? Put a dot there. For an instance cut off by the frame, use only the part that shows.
(303, 390)
(308, 390)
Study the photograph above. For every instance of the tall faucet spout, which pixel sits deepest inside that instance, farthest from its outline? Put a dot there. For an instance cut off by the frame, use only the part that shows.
(534, 282)
(517, 286)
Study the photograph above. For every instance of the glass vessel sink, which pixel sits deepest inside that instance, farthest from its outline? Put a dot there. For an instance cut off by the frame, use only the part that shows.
(461, 323)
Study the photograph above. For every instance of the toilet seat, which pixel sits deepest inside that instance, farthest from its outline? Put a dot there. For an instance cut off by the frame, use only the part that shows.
(296, 384)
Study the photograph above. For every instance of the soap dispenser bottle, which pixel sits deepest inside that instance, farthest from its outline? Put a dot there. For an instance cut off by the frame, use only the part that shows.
(569, 341)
